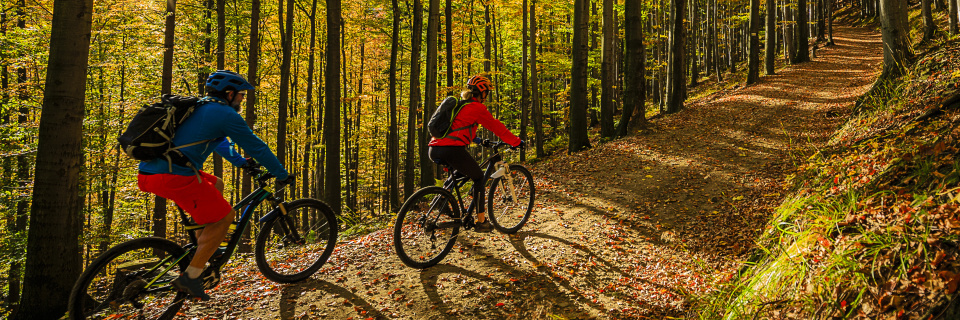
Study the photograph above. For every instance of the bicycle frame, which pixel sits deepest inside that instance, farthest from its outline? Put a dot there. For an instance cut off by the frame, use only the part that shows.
(249, 204)
(454, 183)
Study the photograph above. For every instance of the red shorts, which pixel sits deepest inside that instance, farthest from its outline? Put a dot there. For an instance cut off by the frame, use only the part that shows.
(201, 200)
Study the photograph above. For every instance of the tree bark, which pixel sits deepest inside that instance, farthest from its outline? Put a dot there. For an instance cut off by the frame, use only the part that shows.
(676, 82)
(803, 36)
(714, 39)
(770, 51)
(952, 14)
(416, 35)
(430, 92)
(524, 84)
(535, 82)
(788, 35)
(286, 40)
(53, 250)
(694, 47)
(634, 93)
(331, 130)
(928, 25)
(393, 143)
(896, 38)
(448, 20)
(578, 87)
(829, 22)
(607, 74)
(753, 72)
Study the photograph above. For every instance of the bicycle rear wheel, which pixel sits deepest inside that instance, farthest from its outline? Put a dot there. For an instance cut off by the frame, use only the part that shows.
(427, 227)
(131, 280)
(293, 246)
(510, 209)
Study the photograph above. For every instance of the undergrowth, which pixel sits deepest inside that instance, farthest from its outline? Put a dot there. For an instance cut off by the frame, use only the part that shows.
(872, 229)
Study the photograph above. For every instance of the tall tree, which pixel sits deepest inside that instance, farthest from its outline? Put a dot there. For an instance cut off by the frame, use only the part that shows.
(803, 33)
(770, 51)
(53, 250)
(448, 20)
(331, 130)
(929, 27)
(166, 87)
(430, 94)
(286, 43)
(535, 82)
(524, 84)
(634, 83)
(896, 39)
(578, 74)
(676, 75)
(789, 51)
(694, 47)
(952, 13)
(416, 36)
(393, 141)
(714, 39)
(753, 71)
(829, 22)
(607, 74)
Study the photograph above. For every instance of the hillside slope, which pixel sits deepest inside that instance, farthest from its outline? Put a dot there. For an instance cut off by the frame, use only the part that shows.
(872, 229)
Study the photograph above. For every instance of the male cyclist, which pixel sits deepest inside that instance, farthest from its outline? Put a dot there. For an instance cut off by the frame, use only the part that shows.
(452, 149)
(199, 193)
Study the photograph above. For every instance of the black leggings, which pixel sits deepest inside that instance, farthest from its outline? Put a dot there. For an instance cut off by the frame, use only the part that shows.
(460, 160)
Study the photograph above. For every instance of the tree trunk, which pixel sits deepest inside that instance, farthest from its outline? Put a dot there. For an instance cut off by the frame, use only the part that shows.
(714, 39)
(524, 84)
(788, 35)
(448, 19)
(803, 36)
(286, 42)
(829, 22)
(753, 72)
(253, 60)
(311, 134)
(535, 82)
(430, 91)
(928, 25)
(608, 75)
(676, 82)
(694, 37)
(634, 93)
(393, 141)
(53, 250)
(896, 38)
(331, 130)
(770, 52)
(578, 87)
(952, 14)
(416, 36)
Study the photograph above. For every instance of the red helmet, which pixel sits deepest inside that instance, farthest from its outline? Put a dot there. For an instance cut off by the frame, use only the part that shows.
(480, 86)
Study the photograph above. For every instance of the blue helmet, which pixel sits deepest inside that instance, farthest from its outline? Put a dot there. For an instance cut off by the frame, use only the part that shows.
(224, 80)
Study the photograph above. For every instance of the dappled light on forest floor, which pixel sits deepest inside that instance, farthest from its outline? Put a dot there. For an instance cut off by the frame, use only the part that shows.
(631, 228)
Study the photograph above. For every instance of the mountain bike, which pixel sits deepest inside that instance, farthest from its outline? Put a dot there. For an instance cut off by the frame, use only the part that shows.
(133, 279)
(430, 220)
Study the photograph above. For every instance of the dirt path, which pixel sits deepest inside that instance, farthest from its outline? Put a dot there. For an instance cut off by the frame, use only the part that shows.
(624, 230)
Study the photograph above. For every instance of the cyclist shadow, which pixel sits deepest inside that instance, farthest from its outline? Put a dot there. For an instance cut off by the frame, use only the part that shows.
(291, 294)
(429, 281)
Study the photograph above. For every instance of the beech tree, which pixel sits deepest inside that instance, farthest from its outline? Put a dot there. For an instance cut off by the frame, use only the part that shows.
(578, 82)
(676, 73)
(53, 251)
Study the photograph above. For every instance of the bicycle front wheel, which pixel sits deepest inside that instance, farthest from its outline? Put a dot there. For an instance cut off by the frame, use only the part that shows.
(293, 246)
(510, 205)
(131, 280)
(427, 227)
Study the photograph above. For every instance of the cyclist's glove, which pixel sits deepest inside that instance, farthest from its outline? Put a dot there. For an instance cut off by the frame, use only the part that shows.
(250, 164)
(519, 146)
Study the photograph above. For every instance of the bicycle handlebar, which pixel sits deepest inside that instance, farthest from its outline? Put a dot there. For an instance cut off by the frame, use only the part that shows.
(489, 144)
(261, 177)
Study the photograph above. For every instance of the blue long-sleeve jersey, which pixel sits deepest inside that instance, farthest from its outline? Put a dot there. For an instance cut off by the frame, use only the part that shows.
(214, 121)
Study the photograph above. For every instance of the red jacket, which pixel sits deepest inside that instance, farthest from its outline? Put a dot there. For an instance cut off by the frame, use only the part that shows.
(472, 114)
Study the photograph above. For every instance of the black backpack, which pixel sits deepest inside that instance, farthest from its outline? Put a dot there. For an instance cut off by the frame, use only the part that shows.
(149, 135)
(441, 120)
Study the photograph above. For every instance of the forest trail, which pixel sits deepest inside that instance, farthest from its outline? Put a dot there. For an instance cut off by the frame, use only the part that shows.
(627, 229)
